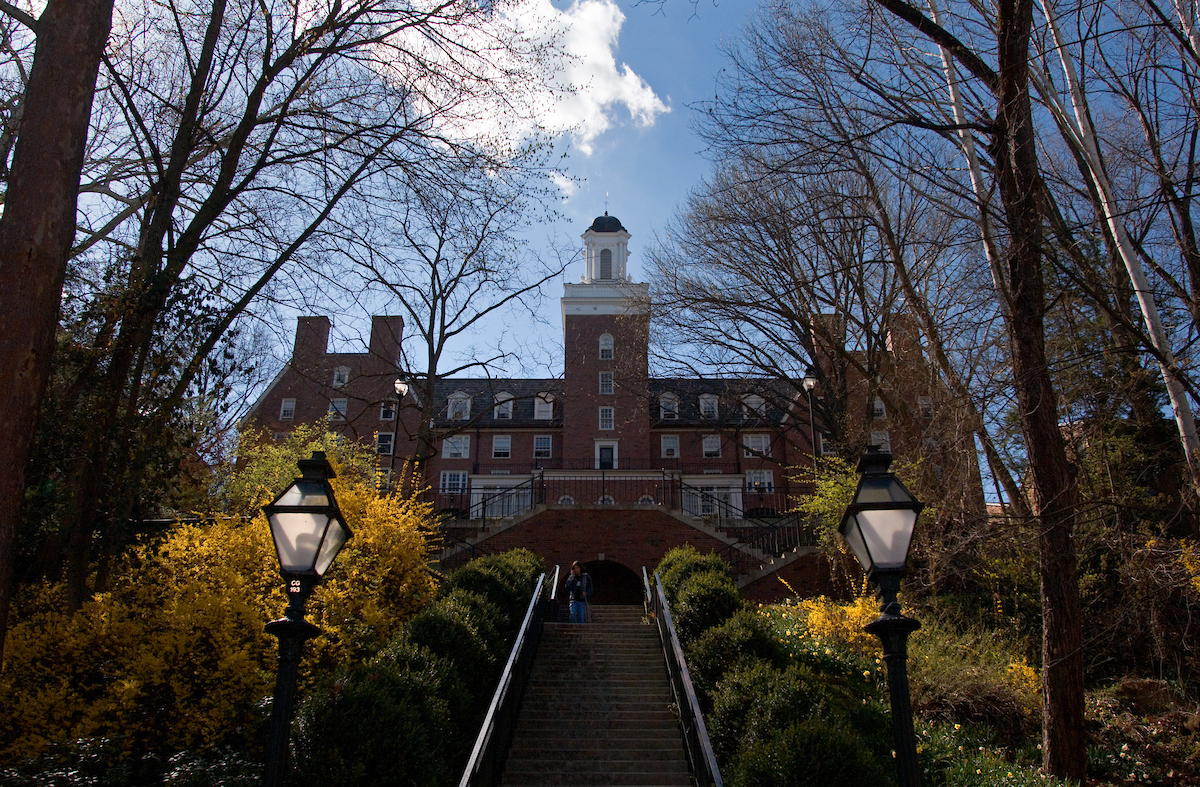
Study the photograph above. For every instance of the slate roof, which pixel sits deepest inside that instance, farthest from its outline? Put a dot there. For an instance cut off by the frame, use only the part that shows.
(483, 400)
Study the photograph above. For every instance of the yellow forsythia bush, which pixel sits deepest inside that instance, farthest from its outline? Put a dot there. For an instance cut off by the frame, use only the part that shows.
(843, 622)
(175, 657)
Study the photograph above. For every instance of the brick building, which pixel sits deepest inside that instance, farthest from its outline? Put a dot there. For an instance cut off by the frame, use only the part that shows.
(605, 464)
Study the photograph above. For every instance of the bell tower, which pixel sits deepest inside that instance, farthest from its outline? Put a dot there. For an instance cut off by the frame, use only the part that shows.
(606, 335)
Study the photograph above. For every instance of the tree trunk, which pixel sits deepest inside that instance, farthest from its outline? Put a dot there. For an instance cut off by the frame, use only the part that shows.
(1056, 494)
(36, 232)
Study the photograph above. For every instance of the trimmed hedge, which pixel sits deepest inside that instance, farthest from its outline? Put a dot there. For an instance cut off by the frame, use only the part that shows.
(705, 600)
(744, 638)
(680, 563)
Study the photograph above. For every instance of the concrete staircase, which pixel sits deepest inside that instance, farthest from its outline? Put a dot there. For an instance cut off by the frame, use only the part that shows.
(598, 708)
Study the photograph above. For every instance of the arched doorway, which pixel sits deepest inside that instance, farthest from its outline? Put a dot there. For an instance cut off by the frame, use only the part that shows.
(614, 582)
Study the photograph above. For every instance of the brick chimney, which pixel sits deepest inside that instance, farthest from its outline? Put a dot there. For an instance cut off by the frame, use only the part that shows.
(386, 333)
(312, 339)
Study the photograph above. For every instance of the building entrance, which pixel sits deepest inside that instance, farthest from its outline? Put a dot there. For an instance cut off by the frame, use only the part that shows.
(614, 582)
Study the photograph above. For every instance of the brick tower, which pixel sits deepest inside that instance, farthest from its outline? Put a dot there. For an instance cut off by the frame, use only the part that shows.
(606, 332)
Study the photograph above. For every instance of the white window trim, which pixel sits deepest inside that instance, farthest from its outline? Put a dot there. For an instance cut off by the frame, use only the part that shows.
(753, 406)
(391, 441)
(662, 446)
(460, 402)
(715, 401)
(881, 438)
(338, 413)
(549, 443)
(457, 489)
(341, 376)
(879, 410)
(543, 407)
(499, 440)
(387, 410)
(754, 452)
(607, 345)
(287, 410)
(703, 446)
(607, 377)
(463, 441)
(503, 411)
(612, 419)
(668, 407)
(766, 477)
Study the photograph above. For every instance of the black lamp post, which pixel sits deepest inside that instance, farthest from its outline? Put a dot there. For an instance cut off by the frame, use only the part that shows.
(878, 526)
(810, 382)
(309, 531)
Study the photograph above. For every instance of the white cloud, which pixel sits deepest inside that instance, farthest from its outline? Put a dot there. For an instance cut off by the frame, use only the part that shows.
(594, 87)
(567, 186)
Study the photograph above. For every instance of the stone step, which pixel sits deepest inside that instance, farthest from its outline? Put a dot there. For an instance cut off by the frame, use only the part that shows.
(644, 766)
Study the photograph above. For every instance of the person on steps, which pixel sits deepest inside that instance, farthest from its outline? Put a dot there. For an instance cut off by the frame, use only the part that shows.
(579, 590)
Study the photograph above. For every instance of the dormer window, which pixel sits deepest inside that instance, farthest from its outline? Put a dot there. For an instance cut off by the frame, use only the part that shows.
(606, 347)
(709, 404)
(753, 406)
(504, 407)
(543, 407)
(459, 407)
(880, 409)
(606, 264)
(668, 407)
(341, 376)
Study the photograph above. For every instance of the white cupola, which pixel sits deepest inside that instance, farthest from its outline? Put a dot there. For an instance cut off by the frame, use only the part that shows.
(606, 249)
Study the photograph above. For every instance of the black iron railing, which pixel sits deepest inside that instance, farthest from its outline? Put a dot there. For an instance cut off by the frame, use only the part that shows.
(695, 734)
(486, 763)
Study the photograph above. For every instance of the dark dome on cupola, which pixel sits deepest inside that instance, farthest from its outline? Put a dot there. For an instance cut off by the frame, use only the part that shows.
(606, 223)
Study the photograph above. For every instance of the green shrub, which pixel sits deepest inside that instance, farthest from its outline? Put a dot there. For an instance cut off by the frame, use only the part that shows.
(505, 580)
(681, 563)
(705, 600)
(457, 629)
(755, 700)
(973, 676)
(811, 753)
(396, 720)
(745, 637)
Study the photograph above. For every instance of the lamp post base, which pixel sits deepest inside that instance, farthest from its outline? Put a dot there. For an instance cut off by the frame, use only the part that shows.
(893, 631)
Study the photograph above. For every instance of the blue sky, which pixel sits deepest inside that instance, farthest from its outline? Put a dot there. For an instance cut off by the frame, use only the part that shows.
(623, 119)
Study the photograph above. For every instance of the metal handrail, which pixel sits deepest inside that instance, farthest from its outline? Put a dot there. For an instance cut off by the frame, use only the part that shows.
(485, 766)
(695, 734)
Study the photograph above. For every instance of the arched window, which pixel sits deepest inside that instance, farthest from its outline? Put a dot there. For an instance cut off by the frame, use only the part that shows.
(606, 346)
(606, 264)
(504, 406)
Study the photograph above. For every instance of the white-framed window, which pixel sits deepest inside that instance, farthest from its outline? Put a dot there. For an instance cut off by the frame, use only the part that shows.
(383, 478)
(606, 382)
(760, 481)
(880, 438)
(287, 409)
(543, 407)
(925, 405)
(825, 445)
(712, 446)
(670, 446)
(501, 446)
(647, 500)
(387, 411)
(606, 264)
(454, 482)
(458, 407)
(542, 446)
(566, 500)
(668, 407)
(753, 406)
(880, 409)
(385, 442)
(606, 500)
(504, 406)
(606, 346)
(709, 405)
(457, 447)
(756, 444)
(607, 418)
(341, 376)
(337, 409)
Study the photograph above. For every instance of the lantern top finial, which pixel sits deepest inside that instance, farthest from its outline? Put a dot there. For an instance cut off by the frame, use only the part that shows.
(874, 461)
(316, 467)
